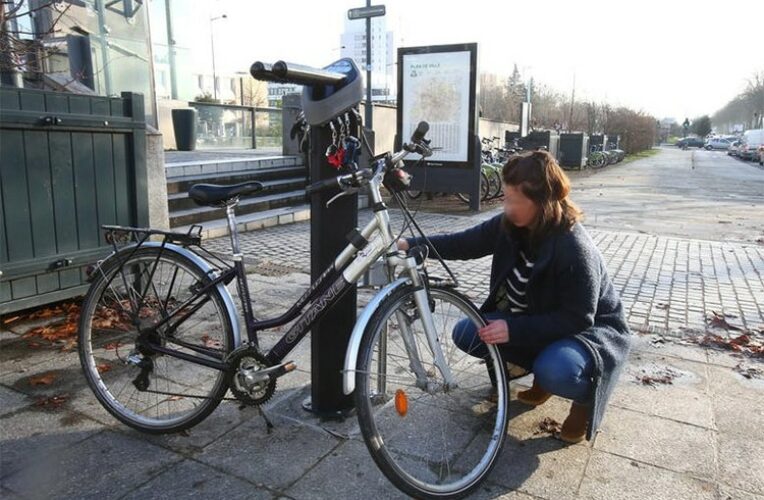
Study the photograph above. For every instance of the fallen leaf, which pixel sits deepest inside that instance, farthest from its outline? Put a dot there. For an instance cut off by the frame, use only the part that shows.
(749, 372)
(43, 379)
(103, 367)
(720, 321)
(663, 376)
(208, 341)
(548, 426)
(69, 345)
(742, 344)
(52, 402)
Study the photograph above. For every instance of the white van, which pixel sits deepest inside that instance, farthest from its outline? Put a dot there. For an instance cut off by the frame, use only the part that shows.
(752, 141)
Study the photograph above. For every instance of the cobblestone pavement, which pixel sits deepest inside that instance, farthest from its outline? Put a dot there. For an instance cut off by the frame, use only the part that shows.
(667, 284)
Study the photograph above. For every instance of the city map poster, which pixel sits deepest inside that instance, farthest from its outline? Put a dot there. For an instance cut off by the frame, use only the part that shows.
(436, 88)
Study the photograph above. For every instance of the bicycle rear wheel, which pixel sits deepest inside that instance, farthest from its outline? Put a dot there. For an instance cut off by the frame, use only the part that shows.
(145, 389)
(496, 180)
(432, 441)
(485, 186)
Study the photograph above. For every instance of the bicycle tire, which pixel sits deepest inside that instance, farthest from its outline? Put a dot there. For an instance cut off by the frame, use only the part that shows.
(485, 186)
(499, 181)
(597, 160)
(459, 424)
(107, 334)
(464, 197)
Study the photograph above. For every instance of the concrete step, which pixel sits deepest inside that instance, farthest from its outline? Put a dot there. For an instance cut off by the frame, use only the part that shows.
(229, 165)
(254, 221)
(179, 201)
(218, 228)
(183, 184)
(200, 214)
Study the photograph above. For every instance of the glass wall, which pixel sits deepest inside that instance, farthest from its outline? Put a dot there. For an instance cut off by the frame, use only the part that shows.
(117, 33)
(221, 126)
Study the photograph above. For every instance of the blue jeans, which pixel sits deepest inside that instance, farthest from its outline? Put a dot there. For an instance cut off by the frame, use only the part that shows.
(564, 367)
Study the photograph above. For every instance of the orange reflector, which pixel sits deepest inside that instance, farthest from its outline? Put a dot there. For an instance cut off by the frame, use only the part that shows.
(401, 402)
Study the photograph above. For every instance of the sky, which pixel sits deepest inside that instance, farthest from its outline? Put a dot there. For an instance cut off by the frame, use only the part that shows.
(669, 58)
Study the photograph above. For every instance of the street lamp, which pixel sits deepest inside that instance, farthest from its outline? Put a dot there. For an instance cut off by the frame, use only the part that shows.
(212, 46)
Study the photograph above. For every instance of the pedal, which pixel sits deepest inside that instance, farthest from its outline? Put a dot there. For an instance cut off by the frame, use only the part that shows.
(273, 372)
(281, 370)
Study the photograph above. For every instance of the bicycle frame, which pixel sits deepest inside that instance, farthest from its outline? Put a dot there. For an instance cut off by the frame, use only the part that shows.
(372, 242)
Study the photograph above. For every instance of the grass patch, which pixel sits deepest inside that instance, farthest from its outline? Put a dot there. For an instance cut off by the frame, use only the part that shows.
(641, 155)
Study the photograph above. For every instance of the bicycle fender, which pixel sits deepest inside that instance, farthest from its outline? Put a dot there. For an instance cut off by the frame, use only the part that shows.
(354, 344)
(207, 269)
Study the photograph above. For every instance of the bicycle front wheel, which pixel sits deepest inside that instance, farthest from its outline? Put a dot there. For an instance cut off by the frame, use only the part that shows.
(143, 388)
(431, 440)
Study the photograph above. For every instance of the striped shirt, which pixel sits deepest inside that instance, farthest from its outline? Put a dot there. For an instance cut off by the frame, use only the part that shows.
(510, 296)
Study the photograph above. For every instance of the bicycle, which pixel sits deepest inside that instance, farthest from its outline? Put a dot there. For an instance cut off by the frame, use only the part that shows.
(597, 158)
(160, 342)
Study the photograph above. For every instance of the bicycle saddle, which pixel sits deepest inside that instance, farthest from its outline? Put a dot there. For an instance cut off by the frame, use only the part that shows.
(213, 194)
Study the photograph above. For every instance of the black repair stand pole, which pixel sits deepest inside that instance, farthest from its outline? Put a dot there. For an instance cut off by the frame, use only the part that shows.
(330, 336)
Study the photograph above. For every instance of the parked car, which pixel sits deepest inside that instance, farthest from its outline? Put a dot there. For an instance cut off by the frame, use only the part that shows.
(690, 142)
(752, 141)
(717, 143)
(734, 148)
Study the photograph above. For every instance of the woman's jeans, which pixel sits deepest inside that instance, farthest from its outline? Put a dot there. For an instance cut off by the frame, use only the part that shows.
(563, 368)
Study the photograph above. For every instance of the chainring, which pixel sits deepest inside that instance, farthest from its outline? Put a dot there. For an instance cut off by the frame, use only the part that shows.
(244, 363)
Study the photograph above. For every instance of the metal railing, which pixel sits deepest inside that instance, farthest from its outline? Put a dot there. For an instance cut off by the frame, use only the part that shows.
(230, 126)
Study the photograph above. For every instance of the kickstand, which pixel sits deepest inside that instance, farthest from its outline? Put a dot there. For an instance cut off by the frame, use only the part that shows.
(268, 422)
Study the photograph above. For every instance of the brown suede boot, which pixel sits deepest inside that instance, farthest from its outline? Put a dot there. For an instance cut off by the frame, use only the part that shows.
(575, 426)
(534, 396)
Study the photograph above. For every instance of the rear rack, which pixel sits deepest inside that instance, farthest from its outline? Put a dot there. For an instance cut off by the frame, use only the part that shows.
(126, 234)
(192, 240)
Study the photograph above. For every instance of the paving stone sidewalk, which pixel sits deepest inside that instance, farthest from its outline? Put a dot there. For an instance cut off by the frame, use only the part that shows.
(669, 285)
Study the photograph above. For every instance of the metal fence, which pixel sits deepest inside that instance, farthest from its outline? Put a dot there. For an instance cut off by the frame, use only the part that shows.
(228, 126)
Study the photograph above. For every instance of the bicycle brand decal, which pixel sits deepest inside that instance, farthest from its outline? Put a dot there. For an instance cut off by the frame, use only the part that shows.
(316, 309)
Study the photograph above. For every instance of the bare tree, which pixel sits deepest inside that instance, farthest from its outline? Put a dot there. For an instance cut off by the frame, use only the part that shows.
(20, 47)
(744, 110)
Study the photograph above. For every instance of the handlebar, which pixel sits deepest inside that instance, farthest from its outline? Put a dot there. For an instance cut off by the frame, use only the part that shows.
(283, 72)
(264, 72)
(356, 179)
(341, 181)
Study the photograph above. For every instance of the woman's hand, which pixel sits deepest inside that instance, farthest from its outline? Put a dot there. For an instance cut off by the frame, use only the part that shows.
(403, 245)
(495, 332)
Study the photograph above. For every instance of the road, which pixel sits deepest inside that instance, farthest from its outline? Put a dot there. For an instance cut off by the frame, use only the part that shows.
(690, 194)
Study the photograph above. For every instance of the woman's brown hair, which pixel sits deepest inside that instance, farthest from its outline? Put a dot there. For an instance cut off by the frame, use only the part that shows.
(541, 179)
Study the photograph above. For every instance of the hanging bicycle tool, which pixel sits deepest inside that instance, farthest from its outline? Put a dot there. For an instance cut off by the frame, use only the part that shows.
(329, 100)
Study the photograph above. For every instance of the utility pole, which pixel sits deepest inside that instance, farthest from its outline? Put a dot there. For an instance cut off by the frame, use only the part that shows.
(171, 51)
(369, 110)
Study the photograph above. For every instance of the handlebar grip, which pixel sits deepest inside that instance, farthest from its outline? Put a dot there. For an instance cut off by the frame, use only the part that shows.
(264, 72)
(319, 186)
(305, 75)
(420, 132)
